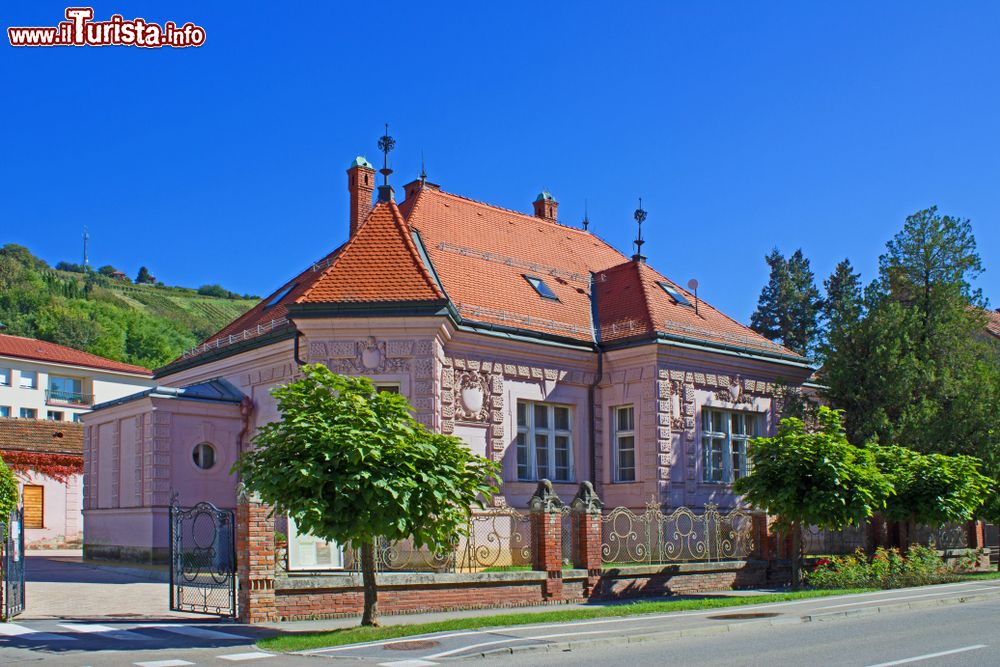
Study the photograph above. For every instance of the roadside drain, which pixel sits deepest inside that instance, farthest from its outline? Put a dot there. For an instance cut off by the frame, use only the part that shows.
(743, 617)
(412, 646)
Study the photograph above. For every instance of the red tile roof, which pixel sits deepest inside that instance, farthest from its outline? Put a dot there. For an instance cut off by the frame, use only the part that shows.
(40, 350)
(36, 435)
(482, 254)
(993, 322)
(380, 263)
(632, 303)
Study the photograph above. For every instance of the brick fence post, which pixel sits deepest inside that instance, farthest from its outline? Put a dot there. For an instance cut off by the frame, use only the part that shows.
(255, 560)
(587, 538)
(765, 543)
(546, 534)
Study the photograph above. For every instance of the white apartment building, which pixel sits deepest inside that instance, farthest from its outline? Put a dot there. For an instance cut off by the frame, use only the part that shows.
(42, 380)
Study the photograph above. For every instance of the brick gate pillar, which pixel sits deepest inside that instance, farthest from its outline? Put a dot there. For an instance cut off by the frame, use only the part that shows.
(587, 538)
(255, 559)
(765, 542)
(546, 534)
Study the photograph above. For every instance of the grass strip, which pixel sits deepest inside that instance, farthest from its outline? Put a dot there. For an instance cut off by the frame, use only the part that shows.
(302, 641)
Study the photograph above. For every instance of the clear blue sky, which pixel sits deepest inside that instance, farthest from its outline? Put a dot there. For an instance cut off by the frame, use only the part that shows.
(742, 125)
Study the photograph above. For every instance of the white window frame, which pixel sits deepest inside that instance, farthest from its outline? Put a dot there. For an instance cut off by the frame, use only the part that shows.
(391, 387)
(55, 415)
(528, 435)
(5, 408)
(620, 435)
(20, 413)
(5, 376)
(34, 380)
(728, 445)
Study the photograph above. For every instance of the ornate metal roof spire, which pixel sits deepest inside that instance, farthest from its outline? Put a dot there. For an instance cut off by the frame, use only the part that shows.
(423, 172)
(586, 216)
(386, 144)
(640, 217)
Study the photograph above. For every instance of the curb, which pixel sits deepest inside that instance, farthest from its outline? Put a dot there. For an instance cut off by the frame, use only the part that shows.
(730, 627)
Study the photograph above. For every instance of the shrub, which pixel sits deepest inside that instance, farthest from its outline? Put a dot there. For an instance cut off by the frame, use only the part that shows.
(888, 568)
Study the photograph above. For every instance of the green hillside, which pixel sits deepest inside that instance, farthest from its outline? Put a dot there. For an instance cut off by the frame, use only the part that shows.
(143, 324)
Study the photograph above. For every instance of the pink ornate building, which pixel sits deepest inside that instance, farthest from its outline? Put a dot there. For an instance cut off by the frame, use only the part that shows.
(537, 343)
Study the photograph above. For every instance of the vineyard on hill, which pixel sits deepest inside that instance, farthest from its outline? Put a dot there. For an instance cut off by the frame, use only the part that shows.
(145, 324)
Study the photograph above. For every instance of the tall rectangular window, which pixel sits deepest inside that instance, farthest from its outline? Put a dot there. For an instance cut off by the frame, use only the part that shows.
(4, 377)
(724, 438)
(544, 442)
(29, 380)
(66, 390)
(624, 443)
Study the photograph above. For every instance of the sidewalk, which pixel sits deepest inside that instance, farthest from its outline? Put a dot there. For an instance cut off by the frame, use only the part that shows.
(60, 584)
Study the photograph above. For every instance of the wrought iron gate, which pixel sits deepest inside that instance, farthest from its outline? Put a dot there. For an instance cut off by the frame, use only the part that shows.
(13, 564)
(202, 559)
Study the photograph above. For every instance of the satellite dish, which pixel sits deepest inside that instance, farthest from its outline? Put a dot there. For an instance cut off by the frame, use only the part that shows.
(693, 284)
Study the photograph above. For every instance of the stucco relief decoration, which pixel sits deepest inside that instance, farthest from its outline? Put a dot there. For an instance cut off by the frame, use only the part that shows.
(368, 357)
(734, 393)
(472, 389)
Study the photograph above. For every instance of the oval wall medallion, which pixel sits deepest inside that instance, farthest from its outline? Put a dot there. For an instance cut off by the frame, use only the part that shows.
(472, 399)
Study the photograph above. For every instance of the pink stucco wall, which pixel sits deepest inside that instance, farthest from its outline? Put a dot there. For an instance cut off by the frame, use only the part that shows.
(62, 510)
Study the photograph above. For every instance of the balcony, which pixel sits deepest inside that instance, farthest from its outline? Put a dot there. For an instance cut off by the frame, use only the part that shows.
(62, 397)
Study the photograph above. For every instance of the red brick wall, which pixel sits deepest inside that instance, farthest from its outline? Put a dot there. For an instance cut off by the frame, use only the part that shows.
(331, 602)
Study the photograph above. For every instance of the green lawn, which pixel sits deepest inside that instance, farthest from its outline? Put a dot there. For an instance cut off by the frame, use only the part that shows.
(301, 641)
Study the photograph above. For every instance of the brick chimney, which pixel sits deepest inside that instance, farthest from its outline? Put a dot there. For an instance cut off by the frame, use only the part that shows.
(361, 185)
(546, 207)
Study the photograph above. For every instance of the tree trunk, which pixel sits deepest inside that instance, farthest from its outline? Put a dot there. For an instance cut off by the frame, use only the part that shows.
(796, 556)
(368, 580)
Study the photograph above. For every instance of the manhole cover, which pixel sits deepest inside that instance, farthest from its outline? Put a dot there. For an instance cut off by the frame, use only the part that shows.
(744, 617)
(412, 646)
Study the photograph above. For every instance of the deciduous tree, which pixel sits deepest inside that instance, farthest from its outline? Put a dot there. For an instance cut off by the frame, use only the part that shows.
(813, 478)
(353, 466)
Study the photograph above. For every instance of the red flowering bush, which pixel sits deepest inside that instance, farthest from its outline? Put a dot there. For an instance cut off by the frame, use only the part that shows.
(888, 568)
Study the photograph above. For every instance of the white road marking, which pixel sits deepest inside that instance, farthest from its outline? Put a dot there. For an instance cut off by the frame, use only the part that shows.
(163, 663)
(15, 630)
(517, 639)
(239, 657)
(903, 597)
(407, 663)
(106, 631)
(928, 656)
(191, 631)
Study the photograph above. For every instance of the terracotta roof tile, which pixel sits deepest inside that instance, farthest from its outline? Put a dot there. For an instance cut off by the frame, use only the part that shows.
(35, 435)
(40, 350)
(379, 264)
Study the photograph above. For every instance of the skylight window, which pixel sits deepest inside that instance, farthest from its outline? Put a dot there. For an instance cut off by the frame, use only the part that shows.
(543, 290)
(280, 295)
(675, 294)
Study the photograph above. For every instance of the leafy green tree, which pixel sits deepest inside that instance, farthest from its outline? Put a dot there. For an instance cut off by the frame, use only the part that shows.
(352, 465)
(143, 276)
(813, 479)
(788, 306)
(915, 369)
(8, 492)
(107, 270)
(932, 489)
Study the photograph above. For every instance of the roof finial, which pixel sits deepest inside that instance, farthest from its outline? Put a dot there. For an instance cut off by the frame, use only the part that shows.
(640, 217)
(423, 172)
(386, 144)
(586, 217)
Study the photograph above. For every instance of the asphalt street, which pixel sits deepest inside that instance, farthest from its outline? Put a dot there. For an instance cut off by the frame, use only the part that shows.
(870, 629)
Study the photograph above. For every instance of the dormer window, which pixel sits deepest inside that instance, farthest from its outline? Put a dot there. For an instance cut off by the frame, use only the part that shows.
(675, 294)
(543, 290)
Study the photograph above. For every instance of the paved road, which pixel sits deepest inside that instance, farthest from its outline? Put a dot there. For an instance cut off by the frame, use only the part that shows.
(717, 637)
(962, 634)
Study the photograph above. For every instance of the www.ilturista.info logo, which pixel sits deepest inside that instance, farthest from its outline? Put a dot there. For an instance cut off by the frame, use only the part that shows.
(81, 30)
